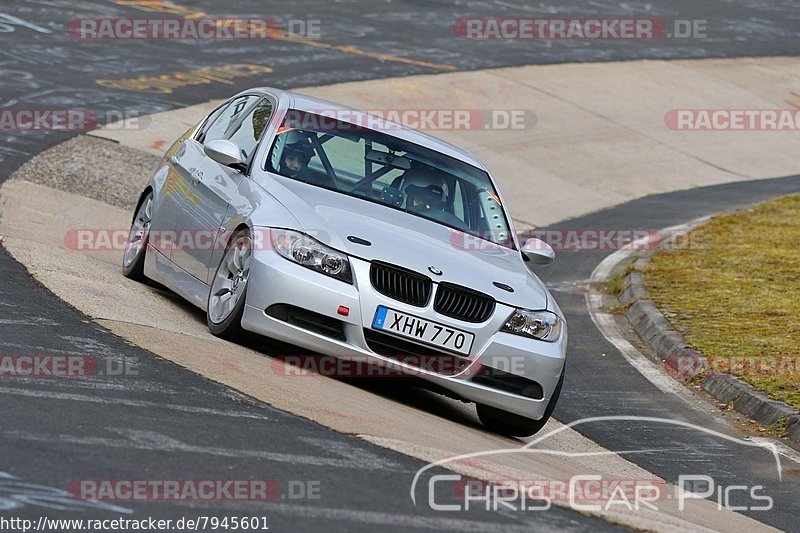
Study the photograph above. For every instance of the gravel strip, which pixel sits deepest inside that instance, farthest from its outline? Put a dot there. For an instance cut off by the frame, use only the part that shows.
(95, 168)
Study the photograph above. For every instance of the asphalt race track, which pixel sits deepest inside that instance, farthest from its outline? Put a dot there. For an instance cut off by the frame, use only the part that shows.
(168, 423)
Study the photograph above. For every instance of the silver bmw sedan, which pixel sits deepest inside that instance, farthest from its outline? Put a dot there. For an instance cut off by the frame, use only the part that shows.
(356, 238)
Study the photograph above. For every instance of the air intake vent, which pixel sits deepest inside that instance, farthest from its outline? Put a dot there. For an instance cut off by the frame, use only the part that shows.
(498, 379)
(400, 284)
(302, 318)
(462, 303)
(414, 354)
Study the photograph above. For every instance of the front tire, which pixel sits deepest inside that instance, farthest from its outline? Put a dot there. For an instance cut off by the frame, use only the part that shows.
(228, 294)
(511, 425)
(138, 237)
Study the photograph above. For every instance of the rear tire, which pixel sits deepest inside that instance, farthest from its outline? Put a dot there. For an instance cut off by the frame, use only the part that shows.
(228, 294)
(511, 425)
(138, 237)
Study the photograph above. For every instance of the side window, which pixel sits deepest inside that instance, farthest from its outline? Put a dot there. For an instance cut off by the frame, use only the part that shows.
(346, 156)
(226, 119)
(252, 128)
(209, 120)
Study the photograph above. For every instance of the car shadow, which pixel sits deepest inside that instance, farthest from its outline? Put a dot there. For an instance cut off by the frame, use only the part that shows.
(407, 390)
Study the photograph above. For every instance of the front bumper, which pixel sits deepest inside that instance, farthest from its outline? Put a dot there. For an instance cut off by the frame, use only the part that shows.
(275, 281)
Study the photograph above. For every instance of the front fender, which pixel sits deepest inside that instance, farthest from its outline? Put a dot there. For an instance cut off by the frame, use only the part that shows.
(254, 208)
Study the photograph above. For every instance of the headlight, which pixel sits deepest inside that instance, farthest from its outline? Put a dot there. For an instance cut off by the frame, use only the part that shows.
(542, 325)
(311, 253)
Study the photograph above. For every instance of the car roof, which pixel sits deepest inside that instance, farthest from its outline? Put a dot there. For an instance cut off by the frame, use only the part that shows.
(310, 104)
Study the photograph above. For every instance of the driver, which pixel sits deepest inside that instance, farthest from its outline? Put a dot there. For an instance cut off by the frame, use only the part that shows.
(295, 158)
(425, 189)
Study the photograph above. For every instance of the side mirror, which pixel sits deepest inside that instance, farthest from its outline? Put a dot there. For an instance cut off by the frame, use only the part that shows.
(538, 252)
(225, 153)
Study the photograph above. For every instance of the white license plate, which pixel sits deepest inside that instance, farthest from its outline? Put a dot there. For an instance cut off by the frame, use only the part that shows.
(422, 330)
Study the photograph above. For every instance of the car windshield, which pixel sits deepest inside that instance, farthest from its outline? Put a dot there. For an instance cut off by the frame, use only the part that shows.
(375, 166)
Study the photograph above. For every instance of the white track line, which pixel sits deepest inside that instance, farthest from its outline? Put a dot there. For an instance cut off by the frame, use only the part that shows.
(606, 322)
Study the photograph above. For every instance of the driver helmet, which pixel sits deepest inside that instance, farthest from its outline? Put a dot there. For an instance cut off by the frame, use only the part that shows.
(297, 147)
(424, 188)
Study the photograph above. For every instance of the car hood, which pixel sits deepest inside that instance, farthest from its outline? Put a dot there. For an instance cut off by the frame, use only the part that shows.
(411, 242)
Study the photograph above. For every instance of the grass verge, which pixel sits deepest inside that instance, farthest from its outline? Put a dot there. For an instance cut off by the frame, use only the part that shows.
(733, 291)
